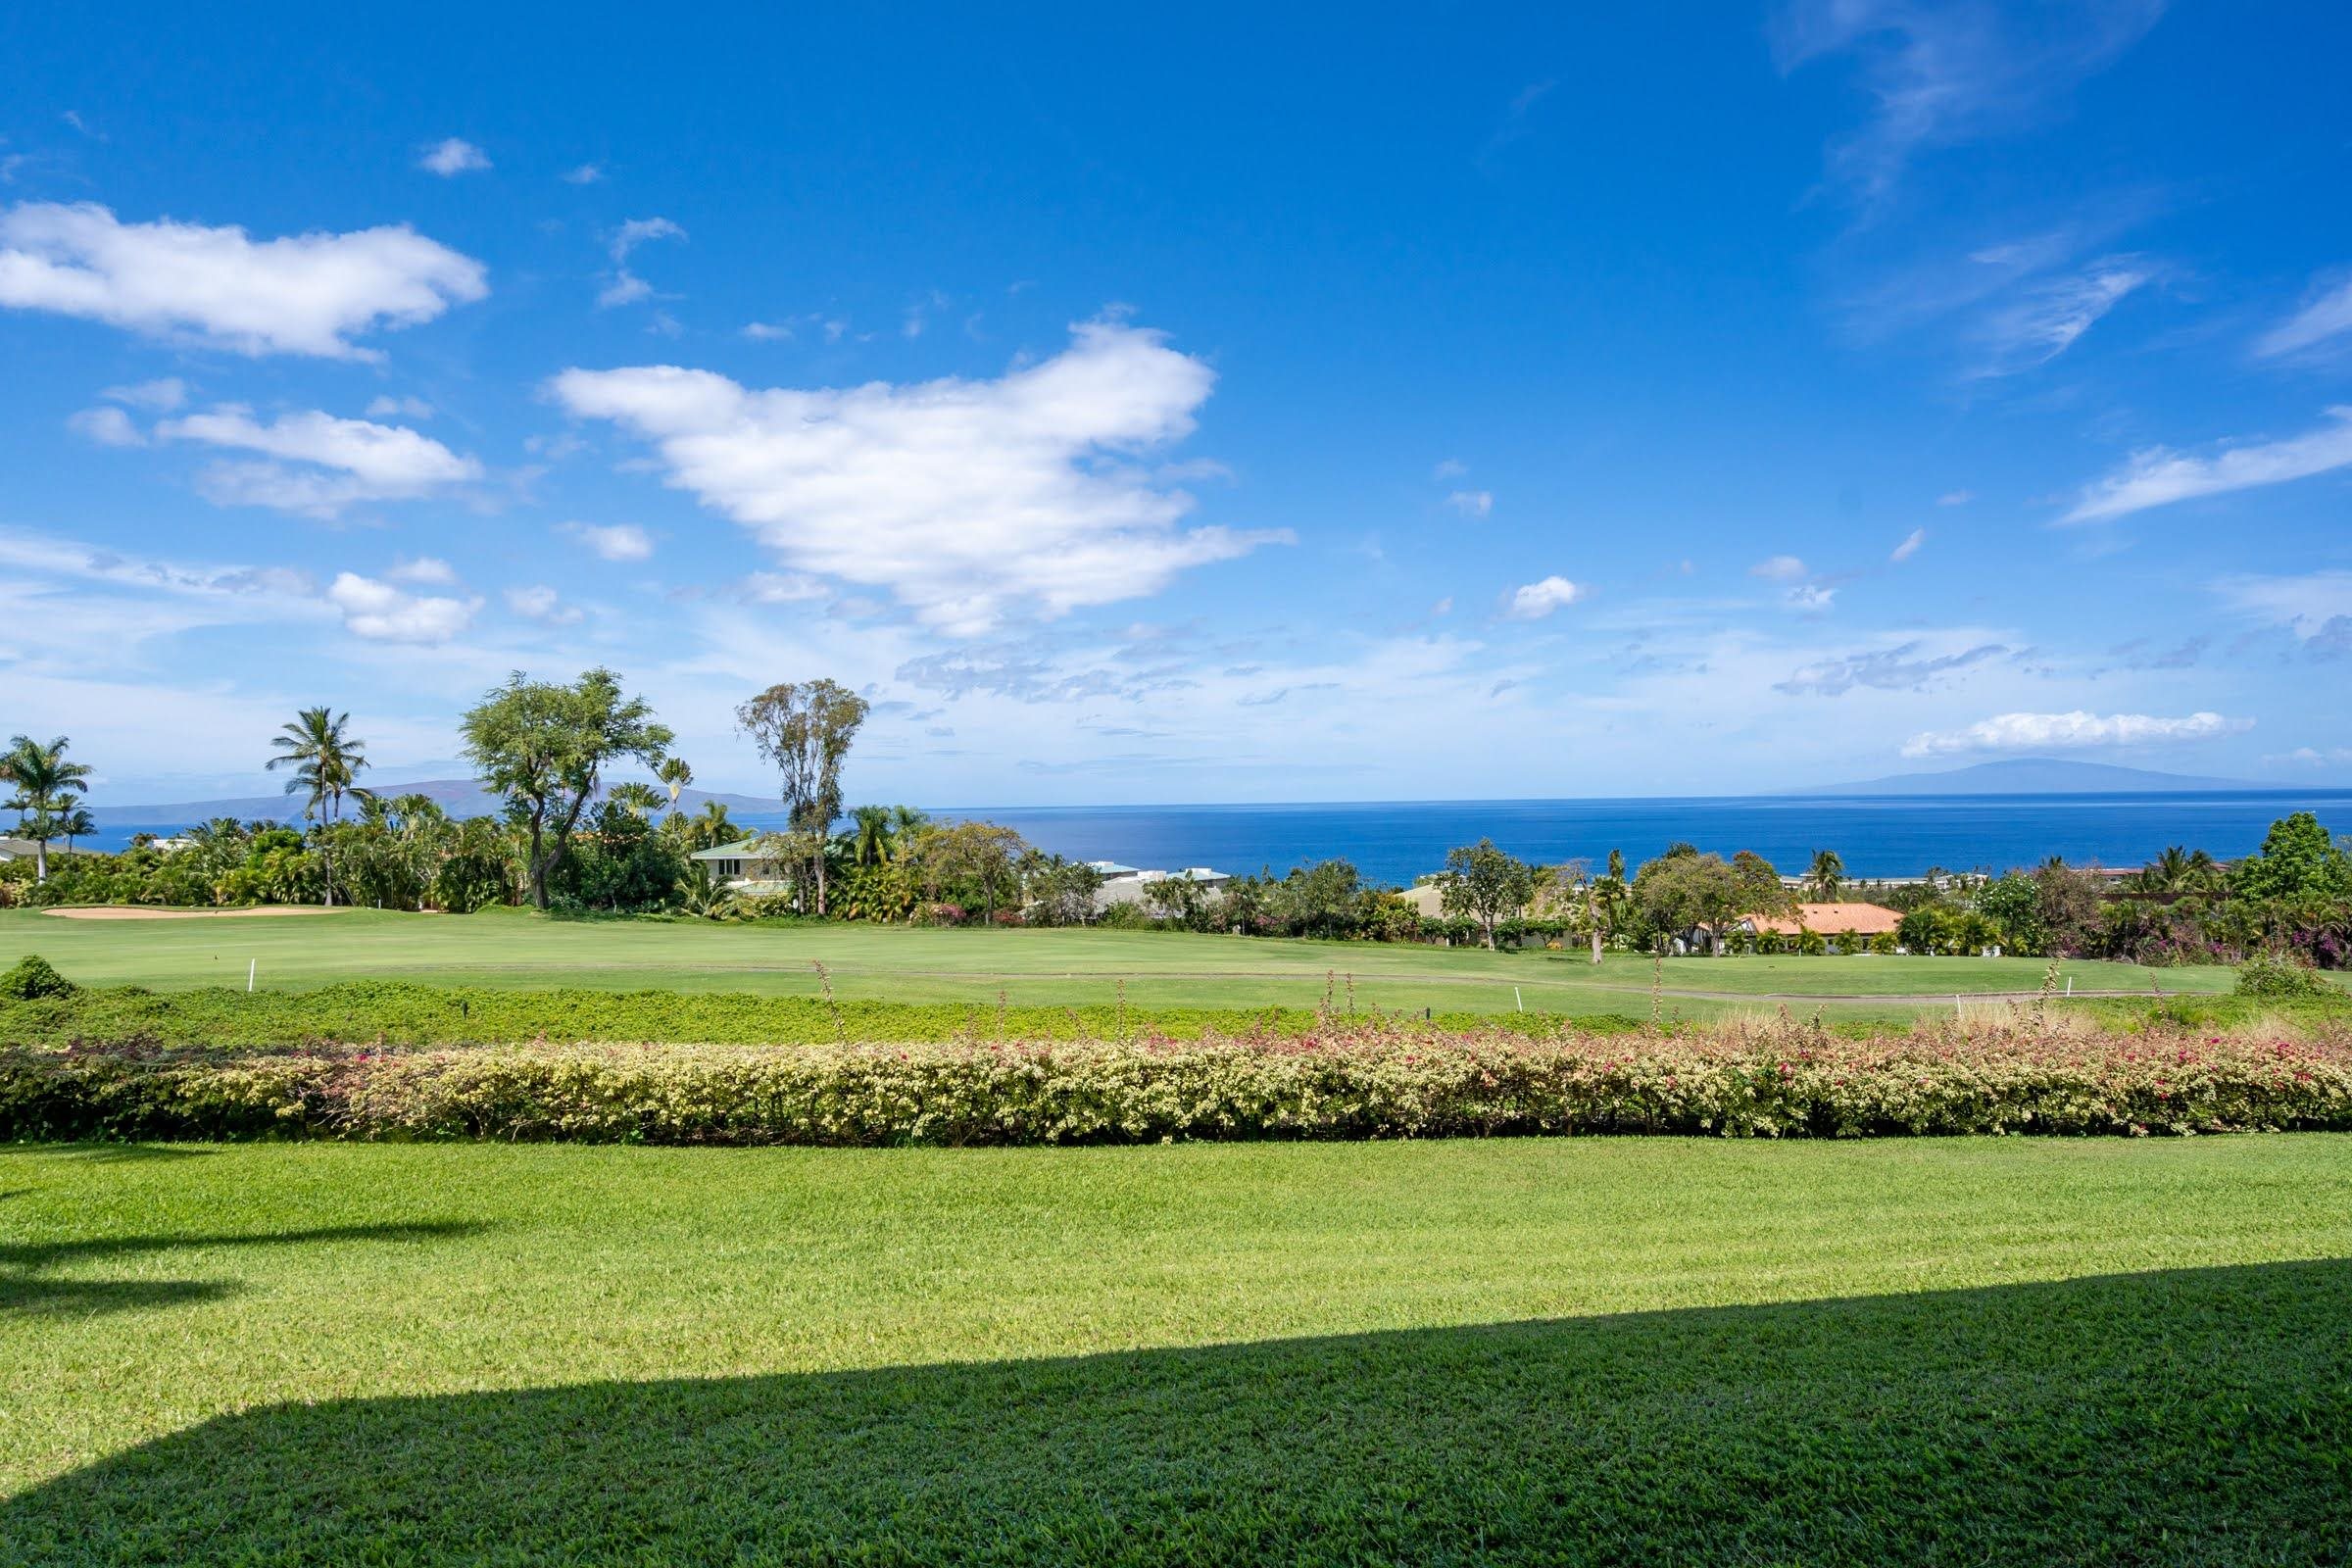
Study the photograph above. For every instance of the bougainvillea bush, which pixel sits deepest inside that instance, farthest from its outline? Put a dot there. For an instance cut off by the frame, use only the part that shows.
(2023, 1075)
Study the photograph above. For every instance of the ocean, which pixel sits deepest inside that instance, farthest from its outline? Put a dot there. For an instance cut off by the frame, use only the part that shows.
(1877, 836)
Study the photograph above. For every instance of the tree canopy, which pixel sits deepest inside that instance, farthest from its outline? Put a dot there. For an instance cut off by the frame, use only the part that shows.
(544, 744)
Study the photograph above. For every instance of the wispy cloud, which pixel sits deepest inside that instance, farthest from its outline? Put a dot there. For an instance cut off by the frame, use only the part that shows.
(583, 174)
(2073, 731)
(621, 541)
(2159, 475)
(2326, 315)
(1910, 545)
(1472, 503)
(1944, 74)
(1904, 668)
(626, 287)
(2047, 317)
(1778, 569)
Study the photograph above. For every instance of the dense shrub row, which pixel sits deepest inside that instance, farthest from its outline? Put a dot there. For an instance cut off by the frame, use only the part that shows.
(1370, 1082)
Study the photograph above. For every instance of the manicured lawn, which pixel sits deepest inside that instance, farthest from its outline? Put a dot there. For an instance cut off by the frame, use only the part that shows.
(1996, 1350)
(1048, 967)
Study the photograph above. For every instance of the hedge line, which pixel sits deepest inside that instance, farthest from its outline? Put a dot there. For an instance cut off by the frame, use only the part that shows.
(1331, 1083)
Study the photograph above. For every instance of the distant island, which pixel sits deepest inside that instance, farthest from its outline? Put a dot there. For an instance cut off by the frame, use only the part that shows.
(2034, 775)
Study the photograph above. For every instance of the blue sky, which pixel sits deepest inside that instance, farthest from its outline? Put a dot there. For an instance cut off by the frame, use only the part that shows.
(1317, 406)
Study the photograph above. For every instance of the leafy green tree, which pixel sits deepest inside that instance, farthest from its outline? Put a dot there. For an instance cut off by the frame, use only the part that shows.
(805, 728)
(1761, 885)
(327, 764)
(1062, 892)
(1319, 899)
(1486, 884)
(46, 785)
(967, 863)
(2013, 903)
(544, 744)
(2297, 861)
(1693, 892)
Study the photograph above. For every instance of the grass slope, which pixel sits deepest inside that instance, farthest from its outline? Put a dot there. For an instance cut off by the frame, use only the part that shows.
(1048, 968)
(1570, 1349)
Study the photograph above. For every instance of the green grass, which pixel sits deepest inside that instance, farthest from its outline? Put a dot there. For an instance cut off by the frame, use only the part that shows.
(1645, 1350)
(1056, 968)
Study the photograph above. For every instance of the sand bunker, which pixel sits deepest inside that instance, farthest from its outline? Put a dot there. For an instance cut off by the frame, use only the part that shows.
(118, 912)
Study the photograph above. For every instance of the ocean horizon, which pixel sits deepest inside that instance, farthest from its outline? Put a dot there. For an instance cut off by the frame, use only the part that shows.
(1877, 836)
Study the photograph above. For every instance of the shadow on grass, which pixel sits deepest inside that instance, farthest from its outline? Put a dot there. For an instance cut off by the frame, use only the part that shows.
(2187, 1416)
(112, 1154)
(26, 1285)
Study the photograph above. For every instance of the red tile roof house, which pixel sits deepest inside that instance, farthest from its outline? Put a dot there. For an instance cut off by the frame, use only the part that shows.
(1830, 921)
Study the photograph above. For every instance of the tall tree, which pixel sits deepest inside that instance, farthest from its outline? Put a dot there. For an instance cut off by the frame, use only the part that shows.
(75, 823)
(545, 745)
(805, 728)
(327, 763)
(1826, 876)
(1487, 884)
(46, 787)
(674, 773)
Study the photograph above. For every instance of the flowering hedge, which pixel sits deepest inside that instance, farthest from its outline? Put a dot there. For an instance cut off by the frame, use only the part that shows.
(1790, 1081)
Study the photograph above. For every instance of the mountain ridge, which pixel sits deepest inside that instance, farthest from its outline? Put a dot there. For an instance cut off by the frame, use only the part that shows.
(2034, 775)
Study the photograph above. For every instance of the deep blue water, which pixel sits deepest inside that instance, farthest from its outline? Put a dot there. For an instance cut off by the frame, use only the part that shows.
(1878, 836)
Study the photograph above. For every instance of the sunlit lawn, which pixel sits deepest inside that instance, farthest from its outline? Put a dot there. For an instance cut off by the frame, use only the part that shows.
(1999, 1351)
(1042, 966)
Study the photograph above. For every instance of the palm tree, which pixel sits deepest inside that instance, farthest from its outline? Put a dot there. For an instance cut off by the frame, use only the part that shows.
(711, 829)
(872, 835)
(642, 799)
(674, 772)
(907, 824)
(45, 784)
(327, 763)
(1826, 876)
(414, 812)
(76, 823)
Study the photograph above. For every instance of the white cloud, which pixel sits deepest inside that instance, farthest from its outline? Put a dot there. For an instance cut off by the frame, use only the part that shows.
(392, 408)
(964, 499)
(782, 588)
(1910, 545)
(2326, 315)
(2047, 318)
(626, 287)
(160, 395)
(1449, 468)
(299, 294)
(1778, 569)
(584, 174)
(2160, 475)
(1472, 503)
(425, 569)
(1809, 598)
(382, 612)
(1955, 498)
(2075, 731)
(1942, 74)
(541, 602)
(767, 332)
(1535, 600)
(2310, 756)
(106, 425)
(341, 462)
(622, 541)
(453, 156)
